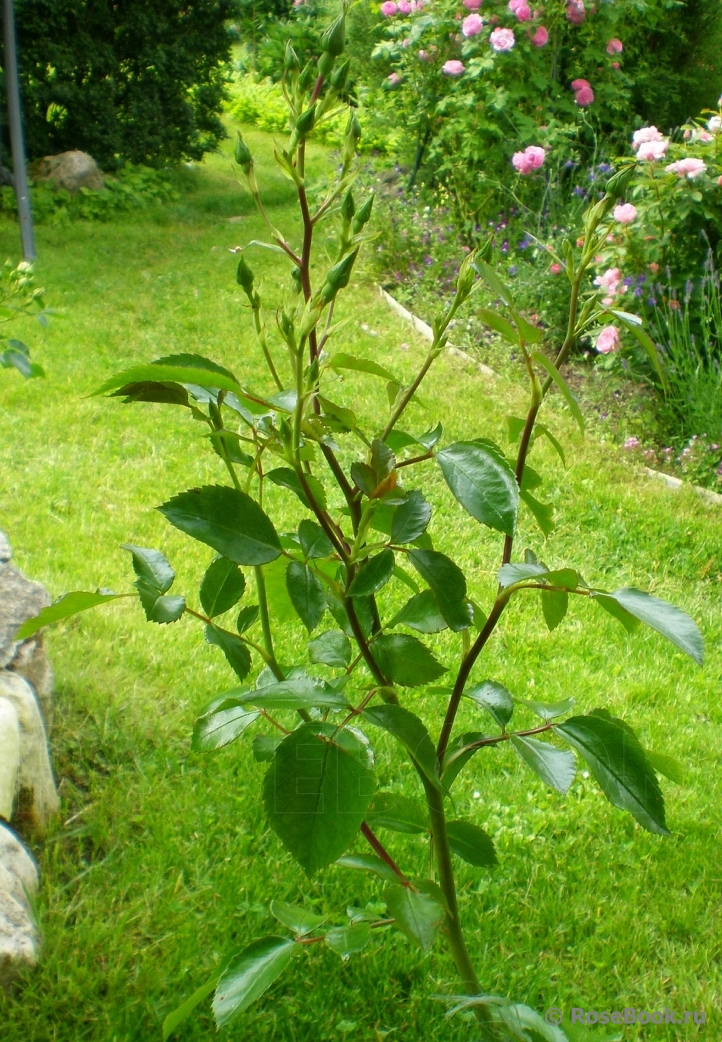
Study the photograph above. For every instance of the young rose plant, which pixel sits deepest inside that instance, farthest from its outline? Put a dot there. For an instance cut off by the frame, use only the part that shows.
(316, 720)
(20, 298)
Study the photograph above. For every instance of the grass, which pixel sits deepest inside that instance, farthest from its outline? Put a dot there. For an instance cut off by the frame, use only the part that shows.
(161, 864)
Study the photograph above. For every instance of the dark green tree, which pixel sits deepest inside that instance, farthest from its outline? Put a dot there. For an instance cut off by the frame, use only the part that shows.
(138, 80)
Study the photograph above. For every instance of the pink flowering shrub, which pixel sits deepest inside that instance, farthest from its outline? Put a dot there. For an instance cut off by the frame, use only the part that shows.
(530, 159)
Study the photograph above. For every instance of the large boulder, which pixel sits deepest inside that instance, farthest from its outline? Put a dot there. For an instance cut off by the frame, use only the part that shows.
(18, 885)
(71, 171)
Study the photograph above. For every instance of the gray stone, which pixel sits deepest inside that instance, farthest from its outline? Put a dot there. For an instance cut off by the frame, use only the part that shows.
(5, 550)
(19, 941)
(32, 663)
(20, 599)
(71, 171)
(34, 774)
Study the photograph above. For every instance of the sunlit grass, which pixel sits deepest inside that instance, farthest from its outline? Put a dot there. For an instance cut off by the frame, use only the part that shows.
(162, 864)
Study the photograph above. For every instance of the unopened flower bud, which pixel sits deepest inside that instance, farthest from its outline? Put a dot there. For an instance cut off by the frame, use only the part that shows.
(244, 277)
(305, 122)
(338, 277)
(348, 206)
(334, 39)
(363, 214)
(465, 280)
(484, 252)
(325, 64)
(308, 75)
(243, 155)
(338, 80)
(618, 184)
(290, 59)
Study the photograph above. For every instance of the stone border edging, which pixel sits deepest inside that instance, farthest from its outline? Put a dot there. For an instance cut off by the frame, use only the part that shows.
(427, 333)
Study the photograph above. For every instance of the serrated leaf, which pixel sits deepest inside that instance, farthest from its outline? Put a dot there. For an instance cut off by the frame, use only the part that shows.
(417, 915)
(432, 437)
(237, 654)
(222, 586)
(332, 648)
(459, 752)
(227, 520)
(448, 585)
(298, 692)
(673, 623)
(317, 790)
(248, 975)
(222, 726)
(556, 767)
(483, 482)
(175, 1019)
(547, 711)
(314, 541)
(410, 519)
(216, 379)
(543, 512)
(471, 844)
(406, 728)
(367, 863)
(151, 567)
(555, 604)
(617, 761)
(613, 608)
(264, 746)
(360, 365)
(66, 606)
(391, 810)
(495, 698)
(161, 393)
(287, 478)
(421, 613)
(307, 594)
(348, 940)
(298, 920)
(404, 660)
(373, 574)
(246, 617)
(563, 386)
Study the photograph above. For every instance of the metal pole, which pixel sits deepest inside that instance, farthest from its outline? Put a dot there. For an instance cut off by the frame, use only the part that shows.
(20, 176)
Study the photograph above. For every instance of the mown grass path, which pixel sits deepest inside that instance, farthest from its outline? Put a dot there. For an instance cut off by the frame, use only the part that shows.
(161, 863)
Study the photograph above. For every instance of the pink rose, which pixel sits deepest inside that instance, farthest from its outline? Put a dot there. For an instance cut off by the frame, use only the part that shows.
(584, 97)
(540, 37)
(608, 340)
(719, 181)
(388, 8)
(578, 84)
(394, 79)
(644, 135)
(523, 13)
(690, 168)
(631, 443)
(471, 5)
(404, 7)
(530, 159)
(625, 213)
(611, 283)
(615, 47)
(615, 65)
(703, 136)
(555, 269)
(576, 12)
(652, 150)
(452, 68)
(472, 25)
(502, 39)
(513, 4)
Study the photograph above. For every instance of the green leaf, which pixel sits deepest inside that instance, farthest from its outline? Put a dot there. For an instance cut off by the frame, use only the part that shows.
(515, 425)
(332, 648)
(529, 333)
(360, 365)
(264, 746)
(540, 428)
(406, 728)
(215, 379)
(176, 1018)
(459, 752)
(307, 594)
(298, 692)
(190, 360)
(314, 541)
(667, 766)
(563, 386)
(246, 617)
(543, 512)
(373, 575)
(367, 863)
(67, 605)
(421, 613)
(493, 281)
(617, 761)
(417, 915)
(227, 520)
(222, 586)
(471, 844)
(555, 604)
(391, 810)
(634, 325)
(236, 652)
(405, 660)
(151, 567)
(298, 920)
(431, 437)
(495, 698)
(410, 518)
(613, 608)
(249, 974)
(483, 482)
(499, 324)
(287, 478)
(673, 623)
(348, 940)
(317, 790)
(221, 726)
(448, 584)
(556, 767)
(547, 711)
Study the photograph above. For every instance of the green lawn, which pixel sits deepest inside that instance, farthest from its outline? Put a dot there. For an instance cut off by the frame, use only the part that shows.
(161, 863)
